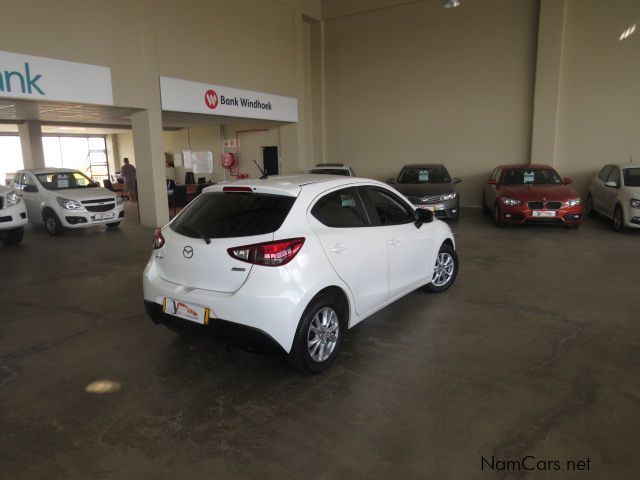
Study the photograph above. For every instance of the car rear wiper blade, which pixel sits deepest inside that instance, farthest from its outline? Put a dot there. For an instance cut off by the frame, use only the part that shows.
(196, 232)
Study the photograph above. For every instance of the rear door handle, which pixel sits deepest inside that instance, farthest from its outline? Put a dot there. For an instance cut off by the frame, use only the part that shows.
(394, 242)
(338, 248)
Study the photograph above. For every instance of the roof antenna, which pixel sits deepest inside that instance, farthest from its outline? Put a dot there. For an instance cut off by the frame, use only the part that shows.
(264, 174)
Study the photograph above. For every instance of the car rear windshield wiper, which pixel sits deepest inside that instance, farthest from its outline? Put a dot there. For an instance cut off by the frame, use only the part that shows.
(196, 232)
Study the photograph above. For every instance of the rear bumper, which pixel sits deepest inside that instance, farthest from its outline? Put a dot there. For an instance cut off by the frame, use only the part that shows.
(238, 333)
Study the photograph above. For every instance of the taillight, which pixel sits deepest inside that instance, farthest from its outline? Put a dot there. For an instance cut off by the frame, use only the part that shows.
(237, 189)
(158, 239)
(269, 254)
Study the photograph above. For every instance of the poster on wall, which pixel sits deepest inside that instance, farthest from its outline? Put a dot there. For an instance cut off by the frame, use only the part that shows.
(202, 162)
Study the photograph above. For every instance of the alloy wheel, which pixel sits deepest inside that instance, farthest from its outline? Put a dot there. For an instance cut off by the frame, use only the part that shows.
(444, 269)
(322, 337)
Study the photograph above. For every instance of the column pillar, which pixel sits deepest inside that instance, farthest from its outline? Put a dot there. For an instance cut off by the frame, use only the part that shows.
(150, 167)
(31, 142)
(546, 99)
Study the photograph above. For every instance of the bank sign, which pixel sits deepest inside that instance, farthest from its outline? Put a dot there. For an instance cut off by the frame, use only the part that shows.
(39, 78)
(194, 97)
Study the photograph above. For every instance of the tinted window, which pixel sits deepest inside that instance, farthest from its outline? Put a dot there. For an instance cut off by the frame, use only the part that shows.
(614, 176)
(341, 209)
(604, 173)
(436, 174)
(531, 176)
(28, 180)
(632, 177)
(391, 210)
(223, 215)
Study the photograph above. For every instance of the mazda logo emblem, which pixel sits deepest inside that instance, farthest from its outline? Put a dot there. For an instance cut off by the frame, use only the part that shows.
(187, 252)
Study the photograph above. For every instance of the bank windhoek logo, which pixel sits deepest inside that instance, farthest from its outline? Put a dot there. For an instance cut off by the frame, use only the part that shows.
(211, 99)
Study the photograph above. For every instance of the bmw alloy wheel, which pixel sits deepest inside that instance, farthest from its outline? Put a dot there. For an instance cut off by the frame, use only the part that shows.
(322, 337)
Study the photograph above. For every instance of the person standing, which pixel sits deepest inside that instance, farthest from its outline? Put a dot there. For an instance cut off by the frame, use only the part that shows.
(128, 173)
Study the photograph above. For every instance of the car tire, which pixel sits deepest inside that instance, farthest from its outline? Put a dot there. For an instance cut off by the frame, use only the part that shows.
(445, 270)
(618, 219)
(497, 217)
(321, 328)
(590, 212)
(12, 237)
(52, 223)
(113, 225)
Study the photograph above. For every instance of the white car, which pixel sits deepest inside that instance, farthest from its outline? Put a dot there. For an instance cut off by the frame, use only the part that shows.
(13, 216)
(64, 198)
(332, 169)
(299, 259)
(615, 193)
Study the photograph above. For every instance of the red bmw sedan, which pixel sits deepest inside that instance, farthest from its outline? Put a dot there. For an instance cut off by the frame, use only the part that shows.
(517, 194)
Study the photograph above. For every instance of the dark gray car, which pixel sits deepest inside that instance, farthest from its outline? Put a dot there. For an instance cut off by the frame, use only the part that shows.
(431, 187)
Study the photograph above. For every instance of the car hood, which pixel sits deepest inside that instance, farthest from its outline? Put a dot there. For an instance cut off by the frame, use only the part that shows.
(421, 189)
(84, 193)
(538, 192)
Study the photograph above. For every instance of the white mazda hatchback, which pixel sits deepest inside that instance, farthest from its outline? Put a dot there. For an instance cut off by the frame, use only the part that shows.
(296, 259)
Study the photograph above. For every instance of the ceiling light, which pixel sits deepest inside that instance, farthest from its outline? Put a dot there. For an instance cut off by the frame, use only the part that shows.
(450, 3)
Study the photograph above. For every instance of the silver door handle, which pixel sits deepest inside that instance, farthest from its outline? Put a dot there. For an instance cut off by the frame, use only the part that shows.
(394, 242)
(339, 248)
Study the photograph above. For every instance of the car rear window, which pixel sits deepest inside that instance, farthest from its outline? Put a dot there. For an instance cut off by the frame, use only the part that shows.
(238, 214)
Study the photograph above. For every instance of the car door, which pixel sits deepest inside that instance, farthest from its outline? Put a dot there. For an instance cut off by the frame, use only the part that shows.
(31, 197)
(490, 191)
(598, 188)
(410, 249)
(356, 250)
(610, 194)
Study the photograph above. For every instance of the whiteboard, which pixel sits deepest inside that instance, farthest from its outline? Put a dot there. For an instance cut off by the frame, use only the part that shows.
(202, 162)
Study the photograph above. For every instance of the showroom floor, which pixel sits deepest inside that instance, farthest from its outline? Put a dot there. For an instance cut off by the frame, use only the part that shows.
(535, 351)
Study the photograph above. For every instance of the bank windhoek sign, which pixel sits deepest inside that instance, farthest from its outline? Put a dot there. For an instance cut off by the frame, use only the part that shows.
(39, 78)
(193, 97)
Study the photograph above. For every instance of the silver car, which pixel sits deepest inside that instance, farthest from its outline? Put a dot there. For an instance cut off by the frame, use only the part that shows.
(615, 193)
(429, 186)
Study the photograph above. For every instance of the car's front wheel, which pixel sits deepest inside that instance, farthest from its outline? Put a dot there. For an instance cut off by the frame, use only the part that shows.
(12, 237)
(445, 270)
(52, 223)
(319, 335)
(618, 219)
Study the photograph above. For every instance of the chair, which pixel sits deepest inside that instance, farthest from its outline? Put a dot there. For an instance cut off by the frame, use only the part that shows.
(189, 177)
(201, 180)
(201, 186)
(179, 198)
(171, 184)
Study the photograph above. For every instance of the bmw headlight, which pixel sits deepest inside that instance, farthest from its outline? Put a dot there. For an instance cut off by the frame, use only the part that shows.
(69, 204)
(511, 202)
(12, 199)
(119, 200)
(449, 196)
(574, 202)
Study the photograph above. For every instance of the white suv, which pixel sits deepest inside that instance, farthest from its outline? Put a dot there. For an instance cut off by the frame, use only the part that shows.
(332, 169)
(615, 193)
(13, 216)
(297, 259)
(63, 198)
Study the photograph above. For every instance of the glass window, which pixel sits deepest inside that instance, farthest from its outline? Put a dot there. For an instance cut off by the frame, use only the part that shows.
(28, 180)
(10, 157)
(614, 176)
(531, 176)
(224, 215)
(391, 210)
(341, 209)
(604, 173)
(632, 177)
(435, 174)
(64, 180)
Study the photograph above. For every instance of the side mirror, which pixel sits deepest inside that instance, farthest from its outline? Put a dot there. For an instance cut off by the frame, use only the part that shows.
(456, 180)
(420, 215)
(30, 188)
(492, 181)
(391, 181)
(567, 180)
(611, 184)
